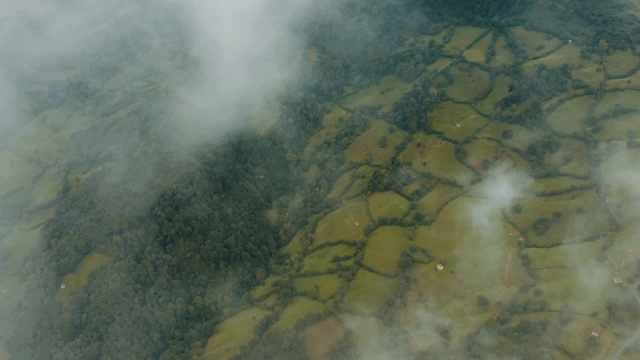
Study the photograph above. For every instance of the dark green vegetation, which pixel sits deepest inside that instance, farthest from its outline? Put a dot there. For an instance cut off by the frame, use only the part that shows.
(188, 256)
(485, 13)
(172, 250)
(201, 232)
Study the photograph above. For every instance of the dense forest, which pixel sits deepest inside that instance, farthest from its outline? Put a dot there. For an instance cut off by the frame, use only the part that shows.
(184, 259)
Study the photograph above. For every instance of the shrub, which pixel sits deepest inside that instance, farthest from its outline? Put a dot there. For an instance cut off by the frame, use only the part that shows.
(541, 226)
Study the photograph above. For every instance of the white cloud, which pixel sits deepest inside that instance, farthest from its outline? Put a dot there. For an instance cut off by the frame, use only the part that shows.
(247, 51)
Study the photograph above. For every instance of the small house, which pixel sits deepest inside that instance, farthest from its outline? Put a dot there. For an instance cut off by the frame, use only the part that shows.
(596, 331)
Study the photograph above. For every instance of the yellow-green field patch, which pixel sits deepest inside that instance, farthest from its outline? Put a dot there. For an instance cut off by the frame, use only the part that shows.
(558, 184)
(46, 189)
(621, 191)
(13, 287)
(440, 288)
(462, 38)
(503, 55)
(522, 138)
(567, 256)
(565, 218)
(626, 239)
(383, 249)
(534, 43)
(41, 127)
(332, 123)
(346, 223)
(42, 137)
(589, 74)
(629, 210)
(474, 241)
(578, 289)
(387, 204)
(297, 310)
(298, 244)
(496, 129)
(363, 327)
(15, 172)
(568, 54)
(630, 82)
(80, 277)
(321, 259)
(389, 91)
(368, 292)
(268, 287)
(478, 52)
(361, 179)
(312, 174)
(429, 154)
(568, 118)
(623, 188)
(571, 159)
(439, 65)
(324, 286)
(341, 185)
(628, 99)
(479, 152)
(430, 204)
(469, 83)
(576, 338)
(444, 235)
(377, 145)
(619, 127)
(484, 254)
(456, 121)
(21, 242)
(233, 333)
(269, 302)
(621, 63)
(335, 120)
(500, 91)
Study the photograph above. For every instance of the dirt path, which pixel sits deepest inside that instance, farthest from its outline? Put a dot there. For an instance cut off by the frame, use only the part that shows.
(505, 282)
